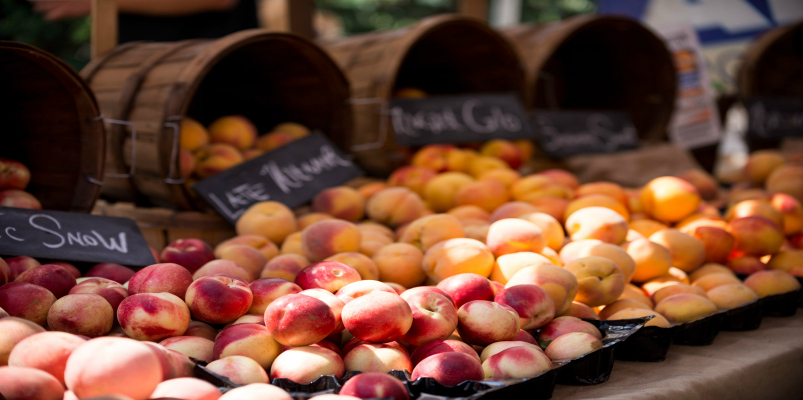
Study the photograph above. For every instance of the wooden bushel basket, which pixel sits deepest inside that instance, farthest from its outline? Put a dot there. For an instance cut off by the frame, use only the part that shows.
(52, 125)
(148, 87)
(444, 54)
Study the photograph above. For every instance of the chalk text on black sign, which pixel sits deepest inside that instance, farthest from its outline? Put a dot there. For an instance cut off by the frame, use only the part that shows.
(567, 133)
(775, 118)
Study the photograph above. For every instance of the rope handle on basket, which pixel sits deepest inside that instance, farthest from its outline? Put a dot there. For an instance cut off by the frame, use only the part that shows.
(133, 128)
(383, 112)
(173, 123)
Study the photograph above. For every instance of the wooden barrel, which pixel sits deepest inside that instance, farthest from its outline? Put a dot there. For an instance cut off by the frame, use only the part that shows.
(599, 63)
(50, 124)
(269, 77)
(444, 54)
(773, 67)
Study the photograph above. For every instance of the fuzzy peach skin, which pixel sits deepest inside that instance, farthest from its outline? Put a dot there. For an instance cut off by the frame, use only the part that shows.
(191, 254)
(45, 351)
(571, 345)
(486, 194)
(269, 219)
(329, 237)
(483, 322)
(462, 288)
(450, 368)
(760, 207)
(296, 129)
(29, 383)
(378, 317)
(235, 130)
(413, 177)
(760, 165)
(5, 272)
(791, 210)
(174, 364)
(201, 329)
(305, 364)
(455, 256)
(688, 252)
(19, 199)
(251, 259)
(18, 265)
(786, 179)
(442, 346)
(292, 244)
(768, 283)
(191, 346)
(627, 313)
(110, 290)
(709, 268)
(248, 319)
(596, 200)
(223, 267)
(284, 266)
(82, 314)
(56, 279)
(273, 140)
(685, 307)
(250, 340)
(433, 156)
(496, 348)
(621, 304)
(168, 277)
(424, 232)
(711, 281)
(327, 275)
(472, 212)
(550, 228)
(261, 243)
(652, 260)
(732, 295)
(559, 283)
(256, 391)
(218, 299)
(265, 291)
(153, 316)
(12, 331)
(580, 310)
(409, 292)
(718, 243)
(509, 264)
(193, 134)
(755, 236)
(516, 363)
(646, 227)
(134, 371)
(786, 260)
(361, 288)
(335, 304)
(746, 265)
(239, 369)
(370, 385)
(533, 305)
(341, 202)
(597, 223)
(299, 320)
(364, 265)
(395, 206)
(562, 325)
(434, 318)
(354, 342)
(512, 209)
(186, 389)
(636, 293)
(215, 158)
(514, 235)
(25, 300)
(669, 199)
(670, 290)
(504, 150)
(376, 357)
(115, 272)
(440, 191)
(614, 253)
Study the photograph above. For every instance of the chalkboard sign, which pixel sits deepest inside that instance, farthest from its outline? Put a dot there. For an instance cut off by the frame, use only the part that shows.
(774, 118)
(292, 175)
(569, 133)
(458, 119)
(72, 237)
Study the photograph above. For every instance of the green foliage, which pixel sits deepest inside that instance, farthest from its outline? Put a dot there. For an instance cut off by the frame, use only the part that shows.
(369, 15)
(541, 11)
(68, 40)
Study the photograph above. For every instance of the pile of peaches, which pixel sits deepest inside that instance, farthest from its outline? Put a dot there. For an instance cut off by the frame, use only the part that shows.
(226, 142)
(455, 268)
(14, 178)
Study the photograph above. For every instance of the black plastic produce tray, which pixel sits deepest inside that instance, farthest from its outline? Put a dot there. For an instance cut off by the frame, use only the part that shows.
(743, 318)
(700, 332)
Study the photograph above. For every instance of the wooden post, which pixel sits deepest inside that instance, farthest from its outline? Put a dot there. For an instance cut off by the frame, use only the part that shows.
(104, 26)
(473, 8)
(290, 16)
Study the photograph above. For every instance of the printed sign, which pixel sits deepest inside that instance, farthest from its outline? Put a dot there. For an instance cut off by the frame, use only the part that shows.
(292, 175)
(458, 119)
(568, 133)
(72, 237)
(774, 118)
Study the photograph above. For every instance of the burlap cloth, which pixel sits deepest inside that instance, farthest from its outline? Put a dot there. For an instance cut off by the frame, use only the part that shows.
(763, 364)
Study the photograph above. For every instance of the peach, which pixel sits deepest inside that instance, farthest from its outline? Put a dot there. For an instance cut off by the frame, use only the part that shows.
(273, 140)
(19, 383)
(369, 385)
(705, 184)
(597, 223)
(269, 219)
(201, 329)
(786, 179)
(761, 208)
(470, 213)
(513, 209)
(376, 357)
(450, 368)
(75, 272)
(454, 256)
(621, 304)
(561, 177)
(755, 236)
(418, 289)
(579, 310)
(215, 158)
(462, 288)
(525, 187)
(513, 235)
(791, 211)
(364, 265)
(335, 304)
(760, 165)
(256, 391)
(628, 313)
(718, 243)
(308, 219)
(372, 244)
(400, 263)
(341, 202)
(550, 228)
(483, 322)
(688, 252)
(737, 195)
(614, 253)
(600, 281)
(571, 251)
(596, 200)
(504, 176)
(299, 320)
(25, 300)
(191, 254)
(480, 164)
(329, 237)
(434, 317)
(5, 272)
(249, 340)
(412, 177)
(235, 130)
(284, 266)
(516, 363)
(441, 191)
(768, 283)
(563, 325)
(361, 288)
(12, 331)
(19, 199)
(670, 290)
(248, 319)
(134, 371)
(354, 342)
(442, 346)
(395, 286)
(652, 260)
(13, 174)
(496, 348)
(655, 284)
(218, 299)
(424, 232)
(554, 206)
(533, 304)
(552, 256)
(167, 277)
(486, 194)
(669, 199)
(731, 295)
(264, 245)
(433, 156)
(251, 259)
(297, 130)
(266, 290)
(239, 369)
(378, 317)
(636, 293)
(305, 364)
(709, 268)
(571, 345)
(504, 150)
(45, 351)
(186, 388)
(609, 189)
(191, 346)
(746, 265)
(685, 307)
(193, 135)
(786, 260)
(561, 284)
(647, 227)
(223, 267)
(83, 314)
(56, 279)
(174, 364)
(328, 275)
(153, 316)
(711, 281)
(395, 206)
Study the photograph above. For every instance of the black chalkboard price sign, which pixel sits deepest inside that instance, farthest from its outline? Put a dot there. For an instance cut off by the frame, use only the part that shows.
(458, 119)
(291, 175)
(774, 118)
(568, 133)
(72, 237)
